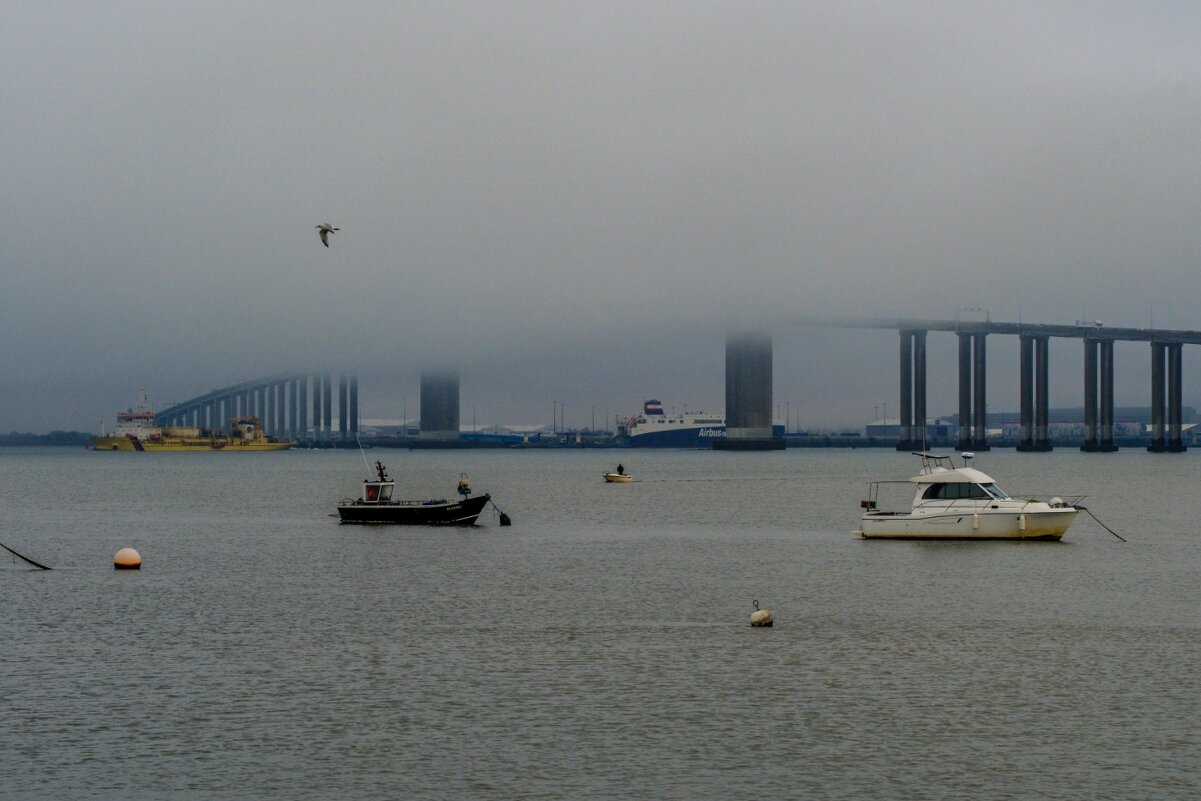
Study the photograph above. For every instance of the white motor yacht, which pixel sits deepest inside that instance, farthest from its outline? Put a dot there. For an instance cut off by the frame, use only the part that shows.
(964, 503)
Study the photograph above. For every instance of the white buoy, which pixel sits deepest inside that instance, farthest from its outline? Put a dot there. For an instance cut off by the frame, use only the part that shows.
(761, 617)
(127, 559)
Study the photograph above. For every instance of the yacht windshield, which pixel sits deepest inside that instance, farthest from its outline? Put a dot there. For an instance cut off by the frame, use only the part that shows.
(995, 491)
(956, 490)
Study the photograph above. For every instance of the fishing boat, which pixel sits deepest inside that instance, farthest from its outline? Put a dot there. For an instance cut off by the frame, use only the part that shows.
(377, 506)
(964, 503)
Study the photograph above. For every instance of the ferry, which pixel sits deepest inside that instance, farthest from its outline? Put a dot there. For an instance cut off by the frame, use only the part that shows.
(654, 428)
(137, 431)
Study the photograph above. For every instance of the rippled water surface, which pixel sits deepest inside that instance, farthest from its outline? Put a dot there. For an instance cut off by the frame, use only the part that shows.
(599, 647)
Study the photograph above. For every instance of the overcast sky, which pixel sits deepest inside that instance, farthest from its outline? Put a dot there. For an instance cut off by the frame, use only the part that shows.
(574, 201)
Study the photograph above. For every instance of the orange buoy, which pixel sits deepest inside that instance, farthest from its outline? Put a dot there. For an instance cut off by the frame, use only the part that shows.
(127, 559)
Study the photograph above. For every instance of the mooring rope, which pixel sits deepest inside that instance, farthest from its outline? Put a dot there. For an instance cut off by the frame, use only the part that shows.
(1099, 523)
(26, 558)
(505, 520)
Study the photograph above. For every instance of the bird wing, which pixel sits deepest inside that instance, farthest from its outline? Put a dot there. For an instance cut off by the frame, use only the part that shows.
(325, 237)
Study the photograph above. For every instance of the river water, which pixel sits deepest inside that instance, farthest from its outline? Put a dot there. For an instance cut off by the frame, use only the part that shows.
(599, 647)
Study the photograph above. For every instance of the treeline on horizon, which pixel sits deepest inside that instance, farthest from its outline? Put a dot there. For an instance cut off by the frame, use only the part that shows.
(53, 438)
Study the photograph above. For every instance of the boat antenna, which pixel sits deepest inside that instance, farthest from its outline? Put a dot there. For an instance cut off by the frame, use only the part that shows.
(364, 454)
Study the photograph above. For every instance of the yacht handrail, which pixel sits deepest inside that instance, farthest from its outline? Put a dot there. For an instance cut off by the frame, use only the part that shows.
(976, 503)
(933, 461)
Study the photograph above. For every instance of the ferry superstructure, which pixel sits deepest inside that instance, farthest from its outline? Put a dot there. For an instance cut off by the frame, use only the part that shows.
(654, 428)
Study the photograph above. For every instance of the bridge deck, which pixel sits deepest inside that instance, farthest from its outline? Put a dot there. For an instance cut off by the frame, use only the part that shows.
(1030, 329)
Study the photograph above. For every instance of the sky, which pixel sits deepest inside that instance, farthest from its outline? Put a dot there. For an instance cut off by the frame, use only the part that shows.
(573, 202)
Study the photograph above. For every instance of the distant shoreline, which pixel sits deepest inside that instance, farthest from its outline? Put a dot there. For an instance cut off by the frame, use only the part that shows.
(74, 439)
(80, 439)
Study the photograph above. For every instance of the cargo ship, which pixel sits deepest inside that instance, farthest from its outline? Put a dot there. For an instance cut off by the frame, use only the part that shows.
(654, 428)
(137, 431)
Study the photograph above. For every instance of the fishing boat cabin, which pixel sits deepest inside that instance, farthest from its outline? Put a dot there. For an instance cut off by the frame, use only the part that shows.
(380, 490)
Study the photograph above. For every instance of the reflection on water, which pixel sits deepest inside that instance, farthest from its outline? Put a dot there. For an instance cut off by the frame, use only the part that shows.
(597, 648)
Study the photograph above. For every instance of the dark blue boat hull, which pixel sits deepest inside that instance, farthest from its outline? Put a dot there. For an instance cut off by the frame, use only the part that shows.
(415, 513)
(701, 437)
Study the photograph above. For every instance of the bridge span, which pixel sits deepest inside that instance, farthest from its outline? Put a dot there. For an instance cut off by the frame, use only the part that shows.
(1166, 358)
(281, 403)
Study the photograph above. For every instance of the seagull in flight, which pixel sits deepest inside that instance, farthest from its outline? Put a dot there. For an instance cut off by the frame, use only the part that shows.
(324, 230)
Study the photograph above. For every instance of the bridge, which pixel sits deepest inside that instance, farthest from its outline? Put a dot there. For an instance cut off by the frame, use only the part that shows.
(281, 403)
(1166, 358)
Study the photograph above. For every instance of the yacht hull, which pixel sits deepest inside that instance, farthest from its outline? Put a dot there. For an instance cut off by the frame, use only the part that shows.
(968, 525)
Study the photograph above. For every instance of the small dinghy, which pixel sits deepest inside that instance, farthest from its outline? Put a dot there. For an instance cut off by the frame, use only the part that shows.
(618, 476)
